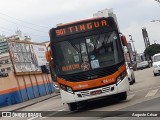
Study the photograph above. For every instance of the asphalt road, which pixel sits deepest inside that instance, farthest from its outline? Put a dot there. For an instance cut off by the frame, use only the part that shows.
(143, 96)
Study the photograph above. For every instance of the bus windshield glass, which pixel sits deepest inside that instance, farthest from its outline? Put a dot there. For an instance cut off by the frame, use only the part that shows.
(88, 53)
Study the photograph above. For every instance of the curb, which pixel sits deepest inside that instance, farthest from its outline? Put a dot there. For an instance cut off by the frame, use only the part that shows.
(34, 103)
(27, 105)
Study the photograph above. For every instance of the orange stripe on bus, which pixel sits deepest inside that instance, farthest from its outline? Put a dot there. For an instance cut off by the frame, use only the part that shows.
(94, 83)
(60, 25)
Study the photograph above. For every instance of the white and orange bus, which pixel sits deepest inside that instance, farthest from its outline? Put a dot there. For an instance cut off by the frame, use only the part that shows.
(88, 60)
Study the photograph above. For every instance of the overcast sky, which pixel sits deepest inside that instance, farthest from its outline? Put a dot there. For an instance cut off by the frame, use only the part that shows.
(35, 17)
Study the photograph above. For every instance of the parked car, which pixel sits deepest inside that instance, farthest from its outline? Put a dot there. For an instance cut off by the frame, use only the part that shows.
(156, 64)
(3, 74)
(142, 65)
(130, 72)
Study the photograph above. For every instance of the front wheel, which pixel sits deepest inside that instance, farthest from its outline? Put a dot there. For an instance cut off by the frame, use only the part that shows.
(134, 80)
(122, 96)
(72, 106)
(155, 74)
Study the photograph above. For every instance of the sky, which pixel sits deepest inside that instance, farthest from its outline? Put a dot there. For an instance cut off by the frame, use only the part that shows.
(35, 17)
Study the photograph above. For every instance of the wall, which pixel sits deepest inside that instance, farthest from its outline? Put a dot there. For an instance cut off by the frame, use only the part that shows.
(16, 89)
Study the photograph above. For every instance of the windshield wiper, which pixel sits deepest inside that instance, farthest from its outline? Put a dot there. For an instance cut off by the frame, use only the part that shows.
(74, 46)
(102, 41)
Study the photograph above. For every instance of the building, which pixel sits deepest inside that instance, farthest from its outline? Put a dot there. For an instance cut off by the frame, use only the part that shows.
(46, 43)
(3, 47)
(27, 80)
(106, 13)
(18, 36)
(2, 37)
(5, 61)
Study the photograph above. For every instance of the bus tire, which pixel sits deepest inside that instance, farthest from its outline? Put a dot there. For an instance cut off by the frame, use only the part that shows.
(123, 96)
(72, 106)
(134, 80)
(155, 74)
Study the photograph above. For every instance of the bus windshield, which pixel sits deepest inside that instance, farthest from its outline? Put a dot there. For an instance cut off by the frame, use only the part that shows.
(88, 53)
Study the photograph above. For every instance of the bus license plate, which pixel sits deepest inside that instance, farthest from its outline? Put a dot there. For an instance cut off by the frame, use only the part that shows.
(96, 92)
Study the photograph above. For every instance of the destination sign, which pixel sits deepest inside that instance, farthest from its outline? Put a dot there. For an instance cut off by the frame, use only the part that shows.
(83, 27)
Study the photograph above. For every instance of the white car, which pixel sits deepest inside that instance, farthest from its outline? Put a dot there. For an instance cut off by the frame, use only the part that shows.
(131, 76)
(142, 65)
(156, 64)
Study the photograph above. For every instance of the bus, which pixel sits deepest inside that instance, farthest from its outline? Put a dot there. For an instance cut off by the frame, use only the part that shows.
(87, 60)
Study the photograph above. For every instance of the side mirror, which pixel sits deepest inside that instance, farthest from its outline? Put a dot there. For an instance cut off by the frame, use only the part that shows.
(48, 53)
(48, 56)
(131, 67)
(52, 71)
(124, 40)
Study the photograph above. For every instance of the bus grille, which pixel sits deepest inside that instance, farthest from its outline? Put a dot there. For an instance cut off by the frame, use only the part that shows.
(86, 93)
(90, 75)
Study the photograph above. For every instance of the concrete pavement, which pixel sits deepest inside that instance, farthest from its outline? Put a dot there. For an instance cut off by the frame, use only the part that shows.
(27, 103)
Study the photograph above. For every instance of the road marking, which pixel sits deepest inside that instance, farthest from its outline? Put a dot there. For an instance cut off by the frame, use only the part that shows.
(61, 110)
(151, 93)
(130, 96)
(32, 118)
(144, 89)
(52, 113)
(55, 109)
(43, 117)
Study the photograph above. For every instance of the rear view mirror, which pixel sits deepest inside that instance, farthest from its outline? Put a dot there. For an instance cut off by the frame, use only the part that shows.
(48, 56)
(48, 53)
(124, 40)
(52, 71)
(131, 67)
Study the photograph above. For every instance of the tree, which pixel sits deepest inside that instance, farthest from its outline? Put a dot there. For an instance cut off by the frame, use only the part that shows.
(151, 50)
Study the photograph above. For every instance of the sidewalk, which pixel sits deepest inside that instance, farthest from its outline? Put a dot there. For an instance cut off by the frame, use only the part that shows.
(27, 103)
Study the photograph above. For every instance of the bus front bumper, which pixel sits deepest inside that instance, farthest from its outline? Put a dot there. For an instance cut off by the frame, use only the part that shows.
(123, 86)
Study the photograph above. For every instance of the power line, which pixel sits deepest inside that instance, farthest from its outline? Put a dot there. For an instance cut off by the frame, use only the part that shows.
(23, 21)
(36, 35)
(22, 25)
(25, 33)
(6, 29)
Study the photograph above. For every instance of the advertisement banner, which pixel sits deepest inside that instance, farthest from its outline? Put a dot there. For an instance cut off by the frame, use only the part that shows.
(40, 51)
(27, 57)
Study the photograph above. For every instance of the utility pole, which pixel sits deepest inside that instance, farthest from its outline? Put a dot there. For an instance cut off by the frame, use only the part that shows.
(157, 1)
(131, 40)
(155, 21)
(145, 37)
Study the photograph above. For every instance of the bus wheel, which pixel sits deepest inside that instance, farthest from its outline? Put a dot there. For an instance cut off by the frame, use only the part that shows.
(155, 74)
(122, 96)
(72, 106)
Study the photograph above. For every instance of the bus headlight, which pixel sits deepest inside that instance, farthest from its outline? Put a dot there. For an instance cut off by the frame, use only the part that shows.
(121, 77)
(66, 88)
(119, 80)
(63, 87)
(69, 89)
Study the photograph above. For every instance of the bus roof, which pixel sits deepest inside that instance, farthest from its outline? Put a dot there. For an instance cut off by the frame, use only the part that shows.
(62, 25)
